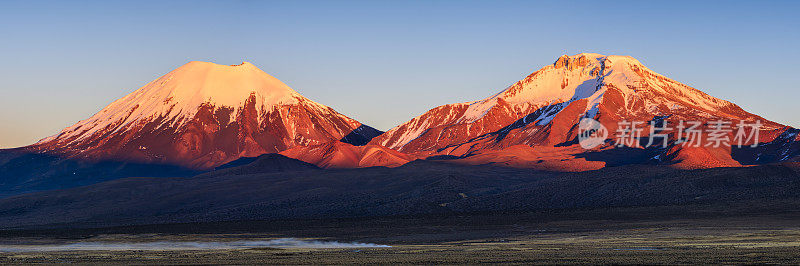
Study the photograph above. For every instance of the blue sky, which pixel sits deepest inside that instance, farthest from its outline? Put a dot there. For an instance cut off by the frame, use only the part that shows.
(382, 62)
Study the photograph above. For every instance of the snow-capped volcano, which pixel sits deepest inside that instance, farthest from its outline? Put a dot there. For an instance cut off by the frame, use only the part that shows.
(544, 108)
(202, 115)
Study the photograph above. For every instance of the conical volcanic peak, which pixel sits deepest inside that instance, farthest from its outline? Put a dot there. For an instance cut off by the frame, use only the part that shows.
(201, 115)
(179, 95)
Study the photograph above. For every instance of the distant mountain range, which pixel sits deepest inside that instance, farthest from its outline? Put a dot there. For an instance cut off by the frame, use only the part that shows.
(203, 116)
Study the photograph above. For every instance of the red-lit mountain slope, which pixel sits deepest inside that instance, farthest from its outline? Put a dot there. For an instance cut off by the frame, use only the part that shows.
(543, 111)
(202, 115)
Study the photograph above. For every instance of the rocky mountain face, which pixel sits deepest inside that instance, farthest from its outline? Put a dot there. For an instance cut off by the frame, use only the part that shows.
(542, 112)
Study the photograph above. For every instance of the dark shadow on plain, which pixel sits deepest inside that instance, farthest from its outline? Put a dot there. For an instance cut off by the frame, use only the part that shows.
(24, 171)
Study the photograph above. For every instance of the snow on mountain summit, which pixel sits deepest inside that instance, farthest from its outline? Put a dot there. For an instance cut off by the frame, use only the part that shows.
(223, 84)
(583, 76)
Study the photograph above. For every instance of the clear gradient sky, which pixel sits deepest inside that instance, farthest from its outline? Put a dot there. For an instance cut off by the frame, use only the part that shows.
(382, 62)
